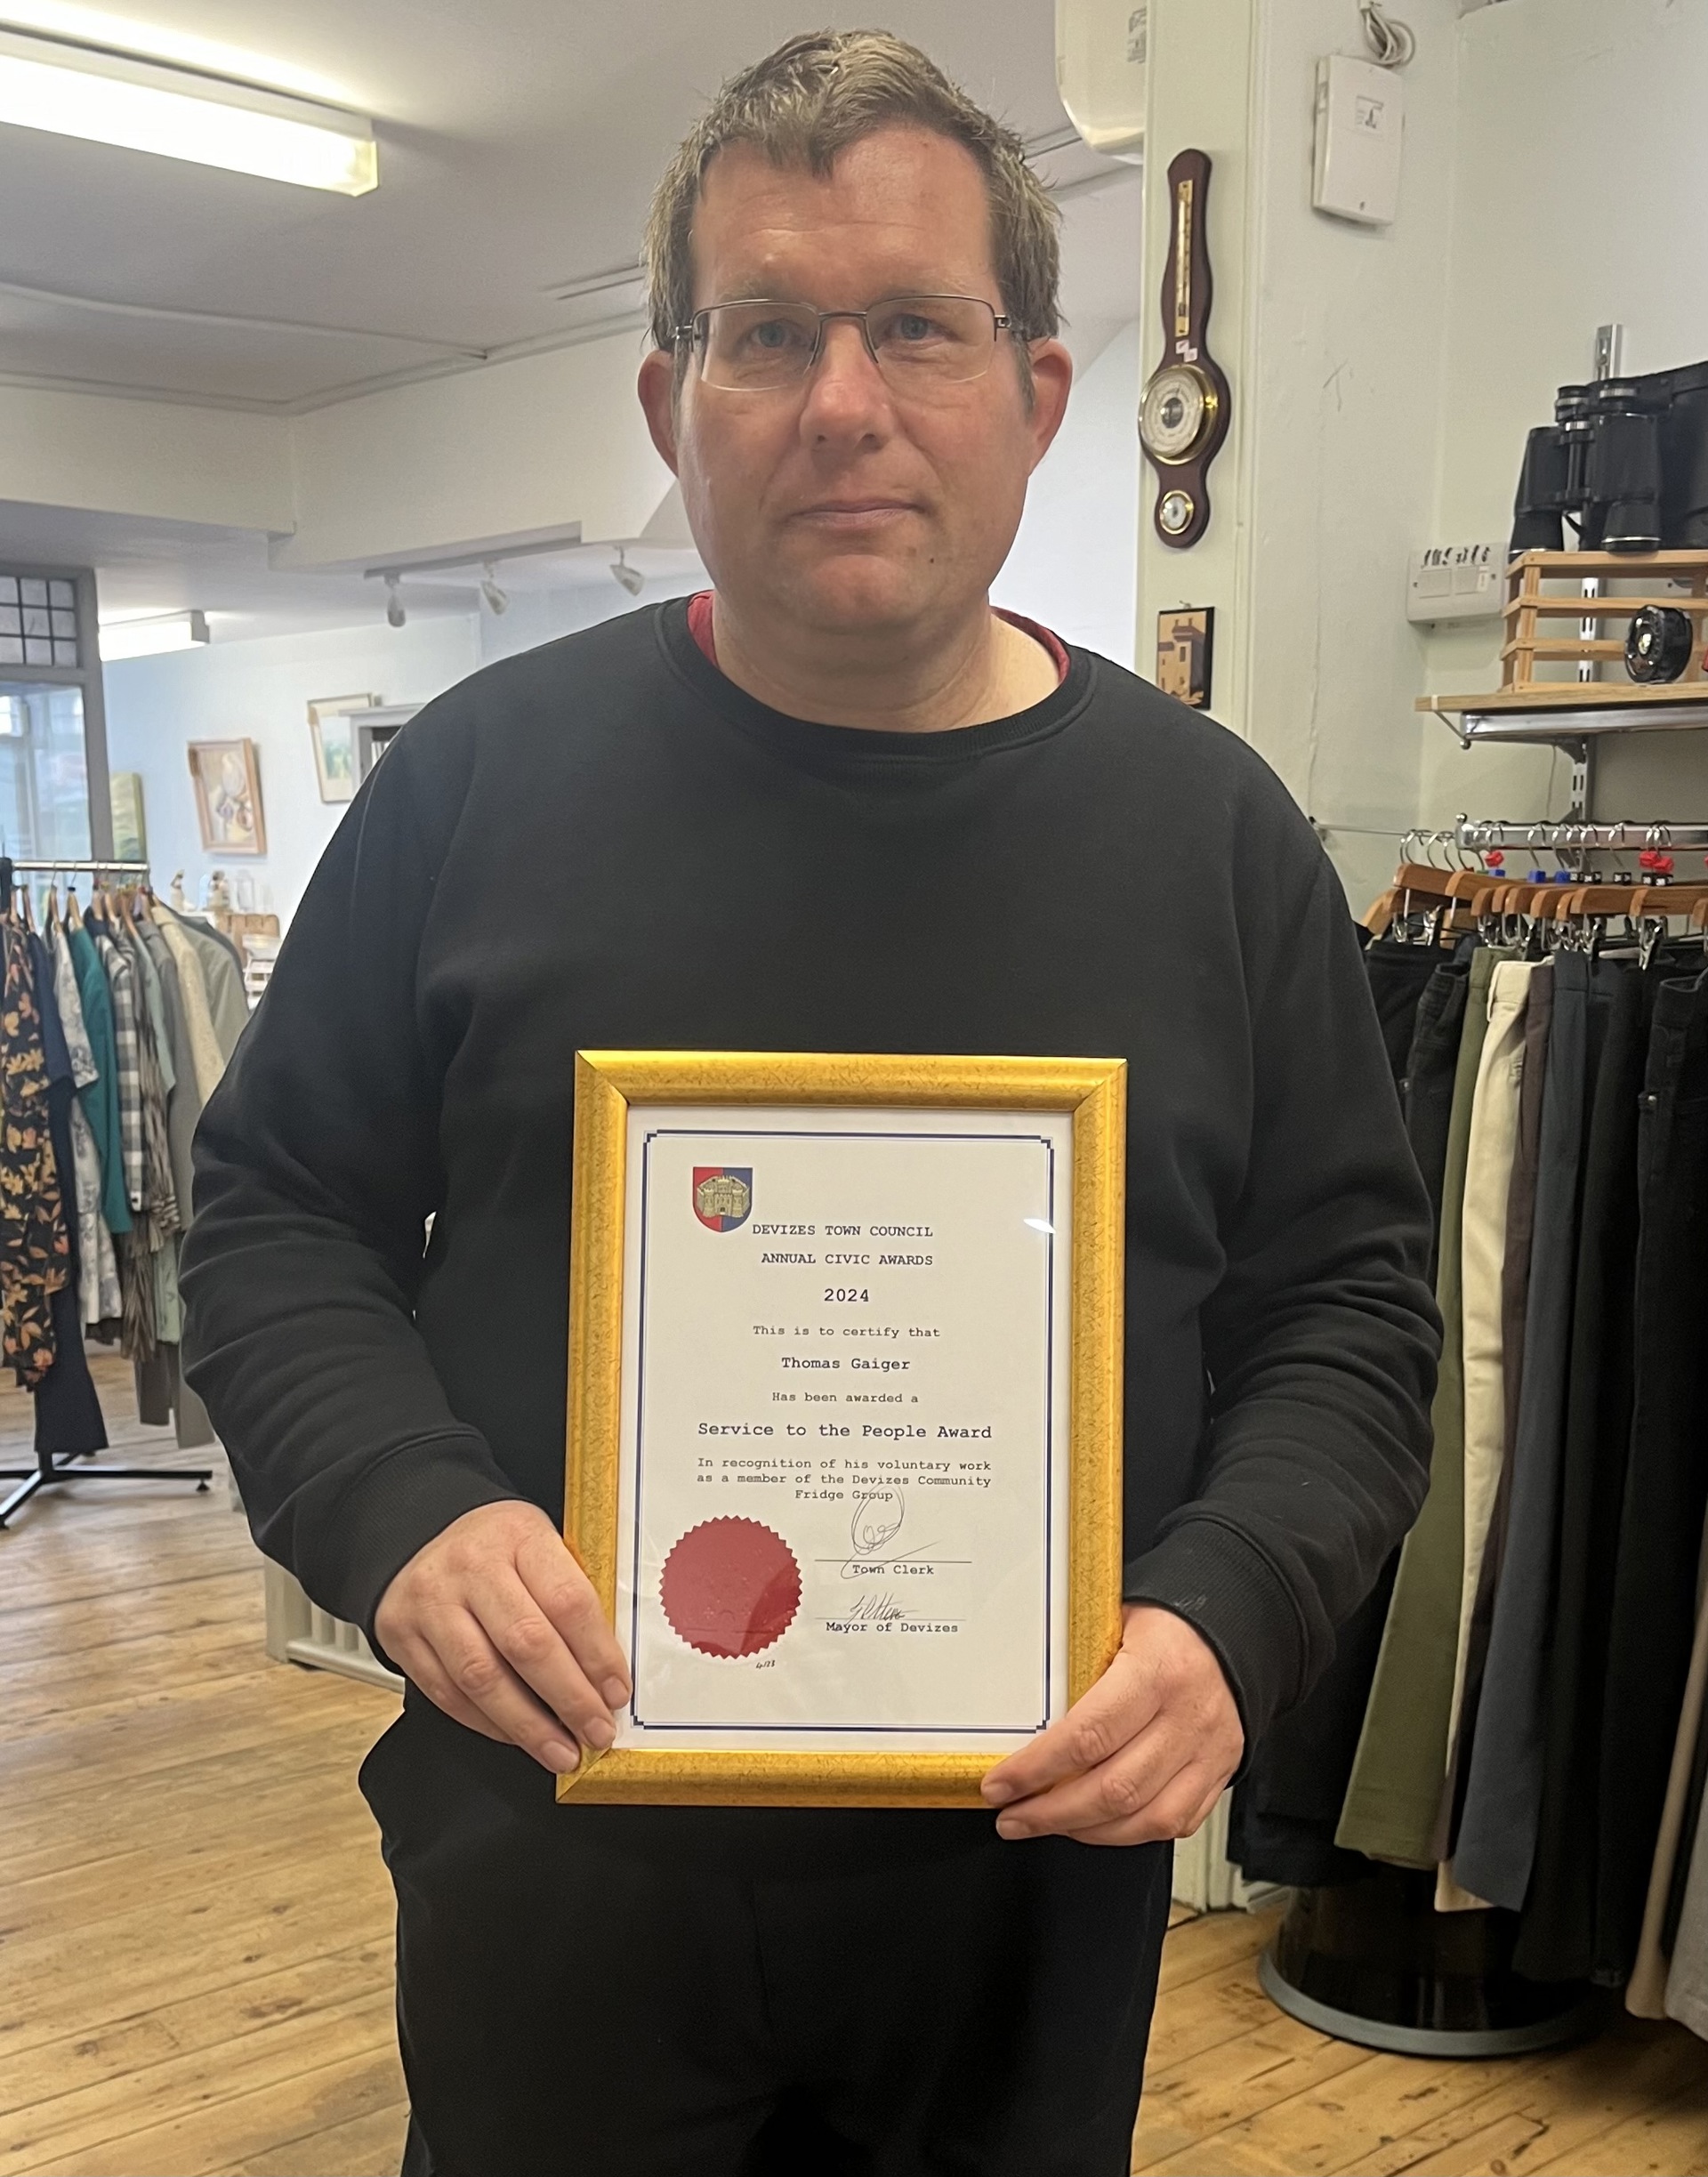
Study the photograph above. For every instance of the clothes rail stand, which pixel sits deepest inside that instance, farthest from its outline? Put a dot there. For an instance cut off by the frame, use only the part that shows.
(50, 1471)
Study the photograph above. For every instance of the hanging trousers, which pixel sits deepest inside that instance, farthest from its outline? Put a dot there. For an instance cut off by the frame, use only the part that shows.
(1288, 1802)
(1666, 1478)
(1431, 1070)
(724, 1992)
(68, 1419)
(1495, 1845)
(1557, 1939)
(1393, 1798)
(1488, 1179)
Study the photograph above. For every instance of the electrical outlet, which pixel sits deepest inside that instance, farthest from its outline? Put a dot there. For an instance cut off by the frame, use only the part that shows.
(1455, 582)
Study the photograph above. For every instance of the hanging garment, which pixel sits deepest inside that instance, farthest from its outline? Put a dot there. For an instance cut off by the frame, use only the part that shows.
(1686, 1978)
(185, 1096)
(1521, 1203)
(158, 1078)
(1393, 1800)
(83, 1069)
(1645, 1993)
(223, 972)
(207, 1057)
(1399, 976)
(1493, 1854)
(1557, 1940)
(1431, 1070)
(35, 1251)
(1666, 1479)
(92, 1242)
(1515, 1289)
(121, 985)
(68, 1419)
(1488, 1175)
(1287, 1803)
(99, 1096)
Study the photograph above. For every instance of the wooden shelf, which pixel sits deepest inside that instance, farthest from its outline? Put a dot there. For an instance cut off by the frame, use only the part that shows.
(1573, 696)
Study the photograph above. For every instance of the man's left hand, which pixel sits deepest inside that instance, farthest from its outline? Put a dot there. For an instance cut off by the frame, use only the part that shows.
(1145, 1755)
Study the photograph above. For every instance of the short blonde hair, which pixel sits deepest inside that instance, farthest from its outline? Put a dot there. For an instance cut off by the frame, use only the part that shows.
(820, 92)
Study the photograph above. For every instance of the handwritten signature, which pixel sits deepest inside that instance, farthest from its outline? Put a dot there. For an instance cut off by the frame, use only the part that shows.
(882, 1609)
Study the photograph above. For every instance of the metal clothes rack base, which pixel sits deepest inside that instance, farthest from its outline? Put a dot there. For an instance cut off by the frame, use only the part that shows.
(1371, 1962)
(50, 1469)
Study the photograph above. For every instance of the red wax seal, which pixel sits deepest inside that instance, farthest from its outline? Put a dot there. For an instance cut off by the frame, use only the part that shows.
(730, 1587)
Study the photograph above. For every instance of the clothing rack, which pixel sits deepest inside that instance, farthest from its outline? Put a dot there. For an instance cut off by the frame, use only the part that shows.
(1478, 836)
(50, 1469)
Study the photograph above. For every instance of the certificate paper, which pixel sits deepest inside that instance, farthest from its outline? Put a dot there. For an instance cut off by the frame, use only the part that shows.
(843, 1487)
(844, 1448)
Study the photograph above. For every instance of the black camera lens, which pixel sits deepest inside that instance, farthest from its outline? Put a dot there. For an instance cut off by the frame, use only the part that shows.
(1658, 646)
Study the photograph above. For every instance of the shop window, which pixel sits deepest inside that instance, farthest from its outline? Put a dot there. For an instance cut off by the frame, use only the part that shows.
(52, 730)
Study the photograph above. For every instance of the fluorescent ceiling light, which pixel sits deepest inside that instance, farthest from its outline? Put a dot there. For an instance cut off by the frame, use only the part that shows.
(107, 98)
(164, 631)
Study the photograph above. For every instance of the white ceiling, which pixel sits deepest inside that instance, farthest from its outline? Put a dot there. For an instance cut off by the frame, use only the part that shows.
(519, 141)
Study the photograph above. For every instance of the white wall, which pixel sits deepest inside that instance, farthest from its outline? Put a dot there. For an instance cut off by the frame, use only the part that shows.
(1074, 562)
(154, 457)
(259, 690)
(1583, 179)
(1332, 335)
(536, 443)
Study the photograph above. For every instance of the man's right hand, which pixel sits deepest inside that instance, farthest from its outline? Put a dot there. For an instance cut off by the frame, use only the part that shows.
(500, 1627)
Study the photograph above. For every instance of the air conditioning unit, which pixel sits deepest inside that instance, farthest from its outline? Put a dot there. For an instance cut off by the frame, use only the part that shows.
(1100, 66)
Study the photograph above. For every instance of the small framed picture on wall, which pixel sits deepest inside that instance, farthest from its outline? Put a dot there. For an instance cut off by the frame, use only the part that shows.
(130, 827)
(227, 779)
(1185, 648)
(337, 769)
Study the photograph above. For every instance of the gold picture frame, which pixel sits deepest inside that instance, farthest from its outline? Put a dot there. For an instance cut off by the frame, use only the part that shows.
(1093, 1091)
(227, 777)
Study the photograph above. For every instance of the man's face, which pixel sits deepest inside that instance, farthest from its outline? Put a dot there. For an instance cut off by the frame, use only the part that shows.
(839, 502)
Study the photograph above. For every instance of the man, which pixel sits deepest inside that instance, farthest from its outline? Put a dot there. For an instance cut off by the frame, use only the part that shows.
(836, 805)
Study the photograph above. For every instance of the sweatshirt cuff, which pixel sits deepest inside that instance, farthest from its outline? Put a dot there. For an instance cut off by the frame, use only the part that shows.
(398, 1507)
(1224, 1585)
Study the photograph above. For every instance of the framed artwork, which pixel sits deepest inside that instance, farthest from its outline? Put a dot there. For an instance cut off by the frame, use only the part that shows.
(334, 732)
(844, 1461)
(130, 828)
(1185, 644)
(227, 779)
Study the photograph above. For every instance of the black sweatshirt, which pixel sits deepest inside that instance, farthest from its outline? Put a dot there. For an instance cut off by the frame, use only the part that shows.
(604, 844)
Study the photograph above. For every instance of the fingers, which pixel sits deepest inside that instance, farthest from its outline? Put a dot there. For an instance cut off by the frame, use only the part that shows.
(1118, 1789)
(1143, 1795)
(499, 1626)
(1104, 1718)
(460, 1670)
(1160, 1822)
(565, 1596)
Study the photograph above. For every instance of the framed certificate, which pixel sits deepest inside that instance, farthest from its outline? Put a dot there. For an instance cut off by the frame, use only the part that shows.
(844, 1429)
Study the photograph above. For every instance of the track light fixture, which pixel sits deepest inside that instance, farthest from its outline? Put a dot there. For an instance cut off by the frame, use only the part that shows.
(395, 615)
(630, 577)
(496, 599)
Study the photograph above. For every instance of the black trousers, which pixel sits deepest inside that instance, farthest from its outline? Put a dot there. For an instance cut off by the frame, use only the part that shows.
(1427, 1087)
(708, 1992)
(1666, 1475)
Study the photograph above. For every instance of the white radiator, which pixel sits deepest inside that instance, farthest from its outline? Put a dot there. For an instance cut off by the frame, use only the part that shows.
(299, 1630)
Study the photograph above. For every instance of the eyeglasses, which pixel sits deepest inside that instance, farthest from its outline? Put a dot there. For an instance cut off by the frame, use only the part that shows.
(919, 342)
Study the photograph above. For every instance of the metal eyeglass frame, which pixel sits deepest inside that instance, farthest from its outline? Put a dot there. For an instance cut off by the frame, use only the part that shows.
(694, 332)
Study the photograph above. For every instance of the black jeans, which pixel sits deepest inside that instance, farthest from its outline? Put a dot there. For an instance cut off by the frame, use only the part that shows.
(710, 1992)
(1666, 1478)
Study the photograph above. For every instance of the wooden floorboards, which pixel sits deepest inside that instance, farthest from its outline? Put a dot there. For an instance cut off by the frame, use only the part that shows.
(195, 1927)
